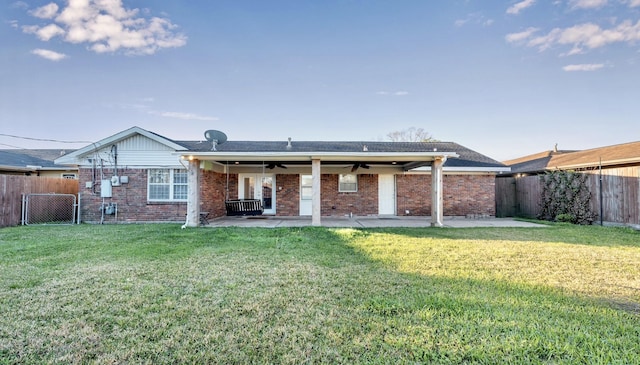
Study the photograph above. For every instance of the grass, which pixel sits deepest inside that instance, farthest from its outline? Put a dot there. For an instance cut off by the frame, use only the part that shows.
(159, 294)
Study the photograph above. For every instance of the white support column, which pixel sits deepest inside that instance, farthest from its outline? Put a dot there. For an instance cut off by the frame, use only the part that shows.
(436, 193)
(193, 194)
(316, 202)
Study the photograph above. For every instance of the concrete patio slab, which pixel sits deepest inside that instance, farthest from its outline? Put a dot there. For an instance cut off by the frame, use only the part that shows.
(365, 222)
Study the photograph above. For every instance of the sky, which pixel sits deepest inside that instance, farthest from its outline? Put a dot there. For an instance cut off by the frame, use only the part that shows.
(504, 78)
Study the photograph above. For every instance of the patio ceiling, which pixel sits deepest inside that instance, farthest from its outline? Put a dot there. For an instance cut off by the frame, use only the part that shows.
(398, 160)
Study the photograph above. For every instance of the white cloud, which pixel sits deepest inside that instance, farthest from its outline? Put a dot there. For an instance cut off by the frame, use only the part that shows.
(633, 3)
(183, 116)
(13, 23)
(45, 12)
(394, 93)
(460, 22)
(20, 5)
(107, 27)
(587, 4)
(518, 7)
(50, 55)
(520, 36)
(583, 67)
(474, 18)
(580, 37)
(44, 33)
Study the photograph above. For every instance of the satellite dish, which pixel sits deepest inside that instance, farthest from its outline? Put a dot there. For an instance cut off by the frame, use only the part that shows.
(215, 137)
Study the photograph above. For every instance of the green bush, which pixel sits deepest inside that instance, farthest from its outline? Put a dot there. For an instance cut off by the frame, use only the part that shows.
(566, 197)
(566, 218)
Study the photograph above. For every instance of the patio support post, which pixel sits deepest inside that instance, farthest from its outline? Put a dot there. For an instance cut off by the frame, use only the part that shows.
(193, 194)
(436, 192)
(316, 202)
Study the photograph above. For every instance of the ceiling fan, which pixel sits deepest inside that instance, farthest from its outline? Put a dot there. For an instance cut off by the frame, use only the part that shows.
(358, 165)
(271, 166)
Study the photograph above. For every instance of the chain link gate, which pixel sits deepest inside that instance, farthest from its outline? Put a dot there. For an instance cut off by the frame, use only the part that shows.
(48, 209)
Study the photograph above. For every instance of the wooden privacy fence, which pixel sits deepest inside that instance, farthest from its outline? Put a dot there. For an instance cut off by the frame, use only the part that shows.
(520, 196)
(12, 187)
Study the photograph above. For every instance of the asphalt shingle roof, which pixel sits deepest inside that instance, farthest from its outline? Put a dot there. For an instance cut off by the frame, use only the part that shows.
(468, 157)
(621, 154)
(23, 158)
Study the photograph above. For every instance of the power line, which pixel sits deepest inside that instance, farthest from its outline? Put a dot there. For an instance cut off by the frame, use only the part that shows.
(42, 139)
(12, 146)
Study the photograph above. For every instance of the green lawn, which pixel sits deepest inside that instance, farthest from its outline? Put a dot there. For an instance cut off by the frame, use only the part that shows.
(159, 294)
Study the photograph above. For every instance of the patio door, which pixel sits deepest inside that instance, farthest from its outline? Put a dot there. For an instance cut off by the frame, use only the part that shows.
(386, 195)
(259, 186)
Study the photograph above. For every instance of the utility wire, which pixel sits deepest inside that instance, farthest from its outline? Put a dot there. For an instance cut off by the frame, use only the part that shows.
(12, 146)
(42, 139)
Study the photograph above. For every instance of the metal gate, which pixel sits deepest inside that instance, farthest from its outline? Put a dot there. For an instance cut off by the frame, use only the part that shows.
(48, 209)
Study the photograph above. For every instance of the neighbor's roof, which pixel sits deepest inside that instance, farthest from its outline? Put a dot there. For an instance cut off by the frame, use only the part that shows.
(621, 154)
(30, 160)
(533, 163)
(468, 157)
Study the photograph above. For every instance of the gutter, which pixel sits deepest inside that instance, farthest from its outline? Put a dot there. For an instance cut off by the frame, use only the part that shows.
(308, 156)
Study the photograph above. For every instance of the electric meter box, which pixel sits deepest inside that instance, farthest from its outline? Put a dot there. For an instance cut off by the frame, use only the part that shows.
(105, 189)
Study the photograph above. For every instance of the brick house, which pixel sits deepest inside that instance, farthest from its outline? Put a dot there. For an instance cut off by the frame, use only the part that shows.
(139, 176)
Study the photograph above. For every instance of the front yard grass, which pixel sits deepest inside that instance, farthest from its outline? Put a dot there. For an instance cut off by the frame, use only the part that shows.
(159, 294)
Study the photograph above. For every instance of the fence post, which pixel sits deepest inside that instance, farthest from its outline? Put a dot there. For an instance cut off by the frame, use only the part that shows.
(600, 186)
(22, 217)
(78, 207)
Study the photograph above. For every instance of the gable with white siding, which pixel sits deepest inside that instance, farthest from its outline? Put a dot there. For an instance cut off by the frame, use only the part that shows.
(134, 148)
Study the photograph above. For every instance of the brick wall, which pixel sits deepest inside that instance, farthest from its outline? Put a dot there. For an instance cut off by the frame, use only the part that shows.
(413, 194)
(287, 198)
(213, 192)
(462, 194)
(469, 195)
(131, 200)
(363, 202)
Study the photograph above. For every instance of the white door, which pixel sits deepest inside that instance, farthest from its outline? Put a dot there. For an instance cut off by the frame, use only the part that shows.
(386, 195)
(306, 194)
(262, 190)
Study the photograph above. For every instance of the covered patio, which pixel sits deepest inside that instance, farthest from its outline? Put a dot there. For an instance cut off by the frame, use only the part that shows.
(318, 160)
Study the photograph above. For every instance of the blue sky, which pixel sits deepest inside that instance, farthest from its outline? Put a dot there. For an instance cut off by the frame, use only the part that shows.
(504, 78)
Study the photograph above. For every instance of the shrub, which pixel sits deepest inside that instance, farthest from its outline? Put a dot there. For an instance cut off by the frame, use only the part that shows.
(566, 218)
(566, 197)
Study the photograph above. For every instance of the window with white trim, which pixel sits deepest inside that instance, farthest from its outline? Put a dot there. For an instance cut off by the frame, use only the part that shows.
(306, 187)
(167, 185)
(348, 183)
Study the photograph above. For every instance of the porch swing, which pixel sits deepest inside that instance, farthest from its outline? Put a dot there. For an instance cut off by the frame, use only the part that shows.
(242, 207)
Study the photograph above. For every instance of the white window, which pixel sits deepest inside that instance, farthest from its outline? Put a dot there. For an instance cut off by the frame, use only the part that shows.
(306, 187)
(167, 185)
(348, 183)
